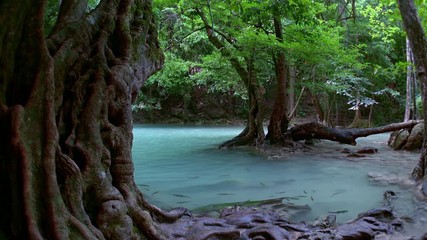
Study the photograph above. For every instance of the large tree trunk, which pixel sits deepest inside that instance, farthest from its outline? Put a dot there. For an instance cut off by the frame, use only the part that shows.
(65, 115)
(279, 119)
(316, 130)
(418, 44)
(253, 134)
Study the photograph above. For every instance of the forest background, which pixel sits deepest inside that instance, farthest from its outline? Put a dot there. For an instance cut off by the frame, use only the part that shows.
(347, 63)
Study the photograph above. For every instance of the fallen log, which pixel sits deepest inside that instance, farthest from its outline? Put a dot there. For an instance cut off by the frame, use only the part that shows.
(314, 130)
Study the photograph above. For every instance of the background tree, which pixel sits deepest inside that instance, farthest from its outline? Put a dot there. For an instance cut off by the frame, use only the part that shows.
(240, 48)
(195, 75)
(410, 103)
(65, 117)
(345, 67)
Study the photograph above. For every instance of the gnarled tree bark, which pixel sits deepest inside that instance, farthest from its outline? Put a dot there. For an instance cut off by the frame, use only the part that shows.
(66, 170)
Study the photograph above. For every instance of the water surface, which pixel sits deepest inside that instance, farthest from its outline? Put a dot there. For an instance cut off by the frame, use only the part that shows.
(181, 166)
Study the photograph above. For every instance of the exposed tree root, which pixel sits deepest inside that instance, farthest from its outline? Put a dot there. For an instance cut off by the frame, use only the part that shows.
(246, 138)
(239, 141)
(314, 130)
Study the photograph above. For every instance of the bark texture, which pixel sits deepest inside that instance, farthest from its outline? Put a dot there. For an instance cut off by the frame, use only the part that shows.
(66, 127)
(279, 116)
(410, 103)
(316, 130)
(418, 45)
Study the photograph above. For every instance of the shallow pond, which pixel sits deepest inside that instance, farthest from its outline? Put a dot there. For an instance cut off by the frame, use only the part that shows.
(181, 166)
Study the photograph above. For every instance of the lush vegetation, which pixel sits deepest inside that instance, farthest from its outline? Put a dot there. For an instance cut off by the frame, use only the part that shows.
(72, 69)
(348, 56)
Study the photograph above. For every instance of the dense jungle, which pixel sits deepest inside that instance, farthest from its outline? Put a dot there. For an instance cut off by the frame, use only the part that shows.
(213, 119)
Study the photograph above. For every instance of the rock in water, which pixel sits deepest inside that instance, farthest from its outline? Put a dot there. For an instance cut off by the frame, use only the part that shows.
(392, 138)
(327, 222)
(364, 228)
(400, 140)
(367, 150)
(415, 139)
(266, 232)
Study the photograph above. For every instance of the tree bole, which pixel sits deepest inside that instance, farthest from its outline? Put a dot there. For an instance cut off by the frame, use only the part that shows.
(66, 165)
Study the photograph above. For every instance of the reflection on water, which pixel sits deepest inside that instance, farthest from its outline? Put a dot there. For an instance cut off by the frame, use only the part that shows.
(180, 166)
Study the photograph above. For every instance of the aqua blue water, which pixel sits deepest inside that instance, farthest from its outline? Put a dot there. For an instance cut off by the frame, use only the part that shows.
(181, 166)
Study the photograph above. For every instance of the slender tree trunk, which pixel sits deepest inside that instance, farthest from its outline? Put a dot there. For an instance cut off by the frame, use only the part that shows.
(371, 112)
(254, 131)
(258, 103)
(357, 116)
(357, 119)
(409, 84)
(291, 98)
(253, 134)
(292, 111)
(317, 106)
(328, 119)
(418, 44)
(66, 168)
(414, 95)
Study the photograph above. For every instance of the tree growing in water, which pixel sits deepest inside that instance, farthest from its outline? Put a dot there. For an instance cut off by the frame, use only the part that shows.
(65, 119)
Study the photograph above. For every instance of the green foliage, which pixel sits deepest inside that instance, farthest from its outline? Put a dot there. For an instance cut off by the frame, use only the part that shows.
(146, 103)
(381, 25)
(190, 60)
(174, 77)
(51, 13)
(419, 104)
(218, 76)
(92, 4)
(361, 59)
(378, 72)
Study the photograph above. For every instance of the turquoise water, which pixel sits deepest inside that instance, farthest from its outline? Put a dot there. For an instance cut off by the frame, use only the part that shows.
(181, 166)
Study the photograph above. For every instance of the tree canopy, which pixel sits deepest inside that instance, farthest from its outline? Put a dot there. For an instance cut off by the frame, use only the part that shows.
(352, 56)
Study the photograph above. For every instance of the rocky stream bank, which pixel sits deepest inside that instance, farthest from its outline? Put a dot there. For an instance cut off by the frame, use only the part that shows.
(265, 222)
(269, 219)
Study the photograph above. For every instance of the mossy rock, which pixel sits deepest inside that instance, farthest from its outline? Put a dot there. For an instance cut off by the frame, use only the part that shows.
(415, 138)
(400, 140)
